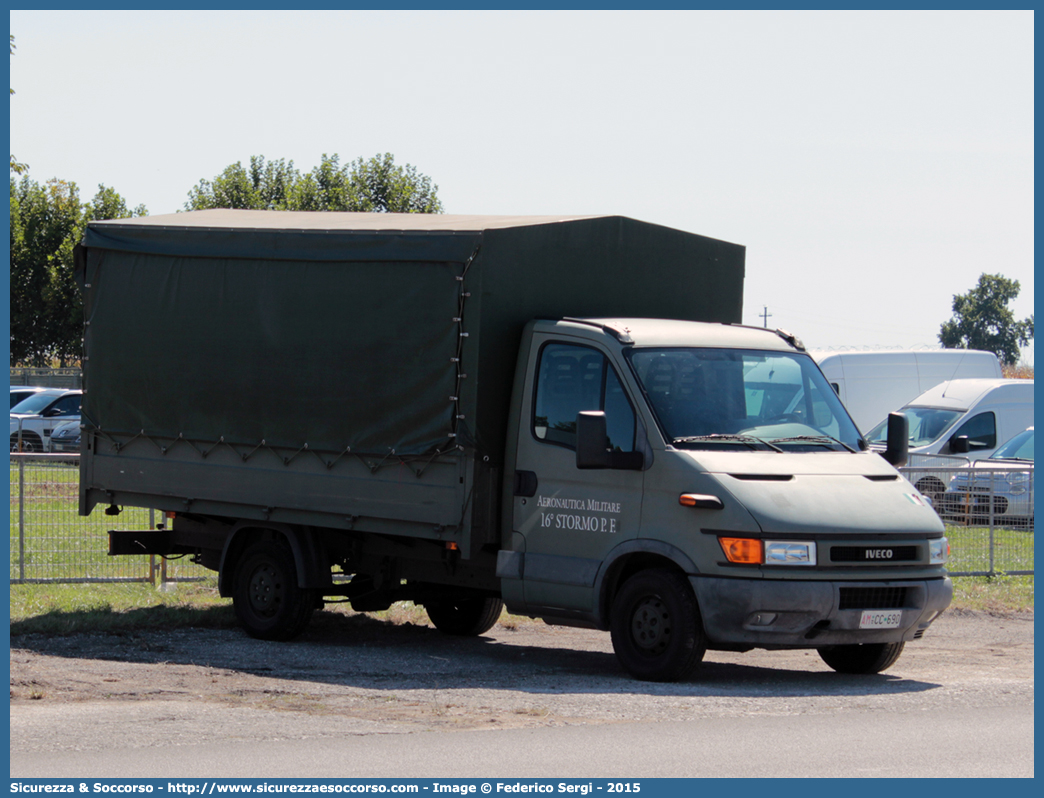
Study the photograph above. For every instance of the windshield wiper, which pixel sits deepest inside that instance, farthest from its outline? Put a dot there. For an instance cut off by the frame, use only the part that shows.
(749, 440)
(823, 439)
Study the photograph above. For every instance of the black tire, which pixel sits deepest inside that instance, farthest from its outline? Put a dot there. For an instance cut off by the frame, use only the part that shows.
(933, 488)
(466, 617)
(31, 443)
(656, 628)
(265, 595)
(864, 659)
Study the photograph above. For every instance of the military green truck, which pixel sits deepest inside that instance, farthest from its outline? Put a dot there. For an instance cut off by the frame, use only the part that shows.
(560, 415)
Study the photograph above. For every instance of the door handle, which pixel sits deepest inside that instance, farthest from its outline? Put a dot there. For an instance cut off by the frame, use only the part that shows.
(525, 483)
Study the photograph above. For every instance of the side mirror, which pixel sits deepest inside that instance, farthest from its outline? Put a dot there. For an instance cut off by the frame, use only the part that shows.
(898, 448)
(959, 445)
(592, 440)
(592, 445)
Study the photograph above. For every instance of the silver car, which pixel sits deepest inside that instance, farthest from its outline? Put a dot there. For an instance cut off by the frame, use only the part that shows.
(20, 392)
(1002, 482)
(33, 419)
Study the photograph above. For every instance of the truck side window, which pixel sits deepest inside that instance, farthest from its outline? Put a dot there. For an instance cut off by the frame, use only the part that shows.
(575, 378)
(981, 431)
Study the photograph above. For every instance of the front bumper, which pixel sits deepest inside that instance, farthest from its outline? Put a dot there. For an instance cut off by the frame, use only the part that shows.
(761, 613)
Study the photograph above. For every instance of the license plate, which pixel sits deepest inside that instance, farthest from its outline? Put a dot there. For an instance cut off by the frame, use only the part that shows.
(881, 619)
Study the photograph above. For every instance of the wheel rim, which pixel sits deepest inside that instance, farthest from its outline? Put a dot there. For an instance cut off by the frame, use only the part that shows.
(265, 590)
(651, 626)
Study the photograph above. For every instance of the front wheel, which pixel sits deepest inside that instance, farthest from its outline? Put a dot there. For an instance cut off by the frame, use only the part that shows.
(265, 595)
(656, 628)
(864, 659)
(29, 444)
(465, 617)
(933, 488)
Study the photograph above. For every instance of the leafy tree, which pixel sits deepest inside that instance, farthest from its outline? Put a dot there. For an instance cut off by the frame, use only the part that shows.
(46, 223)
(379, 185)
(108, 204)
(373, 185)
(983, 320)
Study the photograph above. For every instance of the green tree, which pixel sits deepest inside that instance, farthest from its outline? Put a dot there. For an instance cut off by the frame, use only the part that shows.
(374, 185)
(378, 185)
(983, 320)
(108, 204)
(46, 223)
(232, 188)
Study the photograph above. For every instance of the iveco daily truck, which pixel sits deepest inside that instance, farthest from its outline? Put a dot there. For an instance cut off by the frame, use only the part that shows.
(560, 415)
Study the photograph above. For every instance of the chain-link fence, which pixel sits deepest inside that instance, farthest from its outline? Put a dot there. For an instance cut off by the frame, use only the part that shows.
(988, 512)
(47, 378)
(51, 542)
(987, 506)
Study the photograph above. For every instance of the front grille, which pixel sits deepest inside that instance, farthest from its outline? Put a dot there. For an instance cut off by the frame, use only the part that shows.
(873, 554)
(872, 598)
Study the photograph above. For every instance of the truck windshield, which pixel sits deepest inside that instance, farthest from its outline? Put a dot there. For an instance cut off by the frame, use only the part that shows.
(926, 425)
(743, 399)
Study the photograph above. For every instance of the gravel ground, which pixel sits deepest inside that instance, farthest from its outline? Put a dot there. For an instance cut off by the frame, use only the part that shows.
(363, 676)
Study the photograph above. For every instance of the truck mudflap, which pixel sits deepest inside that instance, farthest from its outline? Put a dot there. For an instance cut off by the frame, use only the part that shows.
(763, 613)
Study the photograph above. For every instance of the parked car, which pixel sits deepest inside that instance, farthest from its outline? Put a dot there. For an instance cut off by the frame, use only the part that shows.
(1004, 479)
(872, 384)
(22, 392)
(956, 422)
(33, 419)
(65, 438)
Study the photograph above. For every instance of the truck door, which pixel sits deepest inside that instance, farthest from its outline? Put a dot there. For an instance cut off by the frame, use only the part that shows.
(571, 518)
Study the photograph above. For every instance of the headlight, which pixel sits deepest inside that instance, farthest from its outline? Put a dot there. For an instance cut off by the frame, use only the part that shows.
(790, 552)
(752, 551)
(938, 551)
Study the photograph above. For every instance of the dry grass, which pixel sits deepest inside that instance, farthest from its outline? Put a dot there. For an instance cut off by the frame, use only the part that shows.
(1020, 371)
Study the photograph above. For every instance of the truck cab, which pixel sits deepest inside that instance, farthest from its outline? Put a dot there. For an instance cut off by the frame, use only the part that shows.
(666, 488)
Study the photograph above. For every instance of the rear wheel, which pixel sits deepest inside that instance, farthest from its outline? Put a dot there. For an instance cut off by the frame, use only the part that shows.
(865, 658)
(267, 600)
(656, 627)
(465, 617)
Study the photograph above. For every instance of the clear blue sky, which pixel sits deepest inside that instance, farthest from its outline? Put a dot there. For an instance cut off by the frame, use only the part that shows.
(873, 163)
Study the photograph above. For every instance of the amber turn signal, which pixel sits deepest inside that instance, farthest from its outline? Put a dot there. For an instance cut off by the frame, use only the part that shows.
(745, 551)
(701, 500)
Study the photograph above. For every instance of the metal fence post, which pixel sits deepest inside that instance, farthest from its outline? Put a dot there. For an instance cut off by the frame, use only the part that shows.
(52, 536)
(993, 501)
(21, 519)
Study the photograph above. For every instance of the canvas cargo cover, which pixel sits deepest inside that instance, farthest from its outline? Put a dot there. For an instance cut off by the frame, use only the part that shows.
(361, 332)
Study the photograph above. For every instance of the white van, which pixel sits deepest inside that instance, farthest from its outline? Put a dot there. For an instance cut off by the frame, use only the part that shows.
(872, 384)
(967, 418)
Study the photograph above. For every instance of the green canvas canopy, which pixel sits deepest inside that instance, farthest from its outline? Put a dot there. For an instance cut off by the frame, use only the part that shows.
(364, 332)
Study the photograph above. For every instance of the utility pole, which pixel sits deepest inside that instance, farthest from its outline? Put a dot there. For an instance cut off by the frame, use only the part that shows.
(765, 316)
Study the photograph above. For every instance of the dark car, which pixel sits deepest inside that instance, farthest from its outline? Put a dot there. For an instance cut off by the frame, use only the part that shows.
(65, 438)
